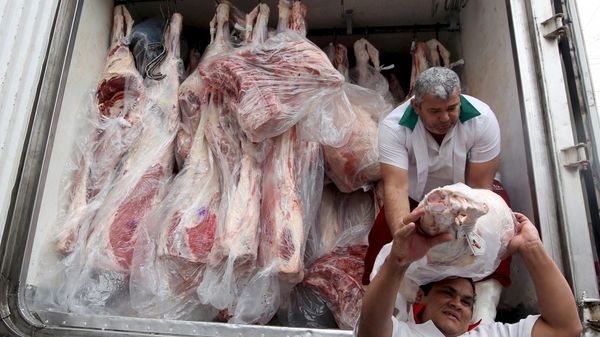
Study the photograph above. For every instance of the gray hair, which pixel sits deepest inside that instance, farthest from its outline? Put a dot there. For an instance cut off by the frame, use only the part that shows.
(439, 82)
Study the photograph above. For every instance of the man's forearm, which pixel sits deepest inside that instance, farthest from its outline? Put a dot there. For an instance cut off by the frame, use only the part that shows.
(555, 299)
(396, 207)
(379, 301)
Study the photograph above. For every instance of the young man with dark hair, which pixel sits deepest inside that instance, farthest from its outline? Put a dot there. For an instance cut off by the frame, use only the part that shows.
(447, 305)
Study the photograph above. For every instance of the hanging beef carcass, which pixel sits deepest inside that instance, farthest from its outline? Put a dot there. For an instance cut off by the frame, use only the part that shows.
(297, 20)
(120, 96)
(419, 52)
(193, 93)
(146, 168)
(340, 61)
(237, 237)
(439, 56)
(282, 234)
(368, 75)
(196, 193)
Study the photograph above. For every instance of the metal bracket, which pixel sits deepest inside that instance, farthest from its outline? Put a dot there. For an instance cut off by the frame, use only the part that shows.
(554, 27)
(576, 157)
(591, 313)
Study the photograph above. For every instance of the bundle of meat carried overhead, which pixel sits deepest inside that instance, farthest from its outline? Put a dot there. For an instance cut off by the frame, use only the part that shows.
(138, 185)
(480, 220)
(120, 98)
(273, 85)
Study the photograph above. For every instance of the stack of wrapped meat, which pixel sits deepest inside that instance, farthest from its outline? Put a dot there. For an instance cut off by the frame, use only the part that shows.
(217, 197)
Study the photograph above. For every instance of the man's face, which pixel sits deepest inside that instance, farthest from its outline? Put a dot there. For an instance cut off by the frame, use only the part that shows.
(449, 304)
(438, 115)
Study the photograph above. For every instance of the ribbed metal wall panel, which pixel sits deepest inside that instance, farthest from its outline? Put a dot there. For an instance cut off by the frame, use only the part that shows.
(25, 27)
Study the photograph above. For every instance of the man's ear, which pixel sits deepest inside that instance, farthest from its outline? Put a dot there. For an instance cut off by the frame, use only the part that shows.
(415, 106)
(420, 296)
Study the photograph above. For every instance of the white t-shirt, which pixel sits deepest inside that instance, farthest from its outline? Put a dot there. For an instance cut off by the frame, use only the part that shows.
(405, 143)
(522, 328)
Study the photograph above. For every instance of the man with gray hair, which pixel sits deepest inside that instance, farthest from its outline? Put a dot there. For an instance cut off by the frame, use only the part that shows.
(438, 137)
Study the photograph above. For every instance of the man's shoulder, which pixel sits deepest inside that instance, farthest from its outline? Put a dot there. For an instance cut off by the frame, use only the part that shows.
(393, 118)
(484, 110)
(520, 328)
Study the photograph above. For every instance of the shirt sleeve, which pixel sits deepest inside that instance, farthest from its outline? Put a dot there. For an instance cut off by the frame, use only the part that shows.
(522, 328)
(487, 139)
(392, 146)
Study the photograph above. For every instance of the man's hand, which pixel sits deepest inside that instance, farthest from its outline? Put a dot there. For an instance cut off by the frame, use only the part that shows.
(409, 244)
(526, 234)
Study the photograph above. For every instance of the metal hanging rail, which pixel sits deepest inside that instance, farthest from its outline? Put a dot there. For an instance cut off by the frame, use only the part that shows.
(436, 27)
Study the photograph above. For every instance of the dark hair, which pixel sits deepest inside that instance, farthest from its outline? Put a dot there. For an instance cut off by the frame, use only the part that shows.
(427, 287)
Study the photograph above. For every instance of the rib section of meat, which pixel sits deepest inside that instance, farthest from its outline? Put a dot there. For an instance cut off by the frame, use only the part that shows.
(337, 276)
(275, 85)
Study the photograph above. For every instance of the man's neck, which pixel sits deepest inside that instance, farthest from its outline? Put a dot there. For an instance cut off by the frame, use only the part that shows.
(438, 138)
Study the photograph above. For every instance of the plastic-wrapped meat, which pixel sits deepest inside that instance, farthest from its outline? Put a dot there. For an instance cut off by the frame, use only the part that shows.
(223, 136)
(120, 97)
(190, 235)
(439, 56)
(143, 173)
(193, 93)
(276, 84)
(420, 63)
(284, 13)
(355, 165)
(367, 75)
(282, 234)
(174, 241)
(237, 234)
(340, 61)
(482, 223)
(297, 19)
(338, 276)
(257, 25)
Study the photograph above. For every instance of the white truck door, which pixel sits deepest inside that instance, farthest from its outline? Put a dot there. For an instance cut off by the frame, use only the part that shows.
(556, 159)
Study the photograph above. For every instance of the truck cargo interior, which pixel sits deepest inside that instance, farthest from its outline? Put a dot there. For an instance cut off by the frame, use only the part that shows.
(477, 32)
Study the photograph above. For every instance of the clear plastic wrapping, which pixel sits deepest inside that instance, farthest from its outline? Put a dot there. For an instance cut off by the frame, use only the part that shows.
(355, 165)
(94, 276)
(367, 71)
(483, 225)
(335, 254)
(276, 84)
